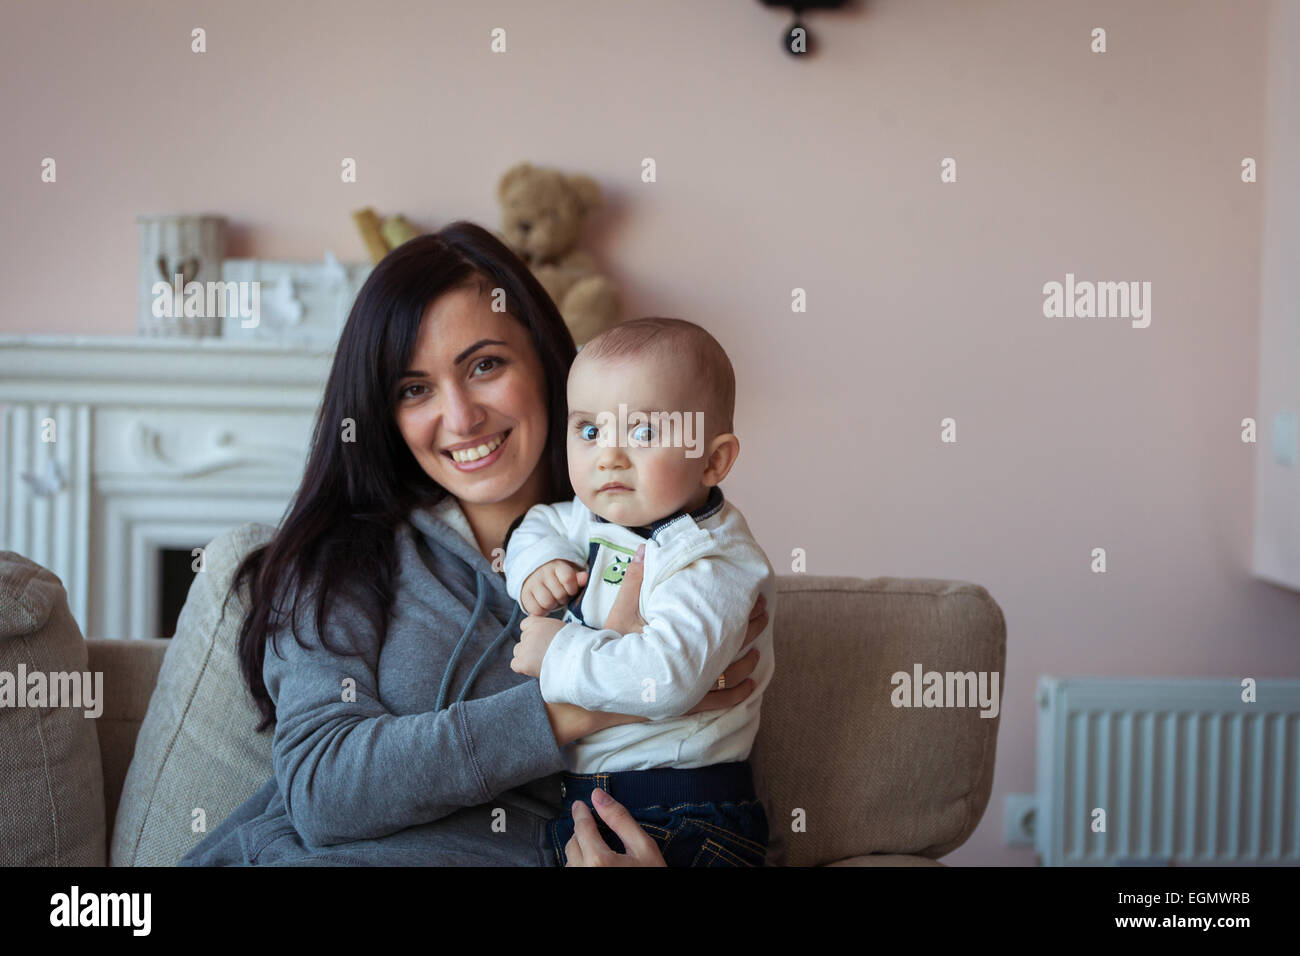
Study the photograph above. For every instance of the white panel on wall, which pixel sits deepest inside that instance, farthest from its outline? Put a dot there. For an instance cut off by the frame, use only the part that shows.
(1277, 475)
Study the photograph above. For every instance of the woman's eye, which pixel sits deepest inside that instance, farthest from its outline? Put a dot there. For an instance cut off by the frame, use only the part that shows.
(491, 361)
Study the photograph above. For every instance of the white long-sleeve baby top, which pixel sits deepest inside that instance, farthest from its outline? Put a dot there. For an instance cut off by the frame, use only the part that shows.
(703, 573)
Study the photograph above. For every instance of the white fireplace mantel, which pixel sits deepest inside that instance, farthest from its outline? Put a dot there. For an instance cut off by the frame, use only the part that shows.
(158, 443)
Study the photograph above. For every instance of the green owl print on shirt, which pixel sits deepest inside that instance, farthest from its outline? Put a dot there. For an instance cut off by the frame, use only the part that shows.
(621, 558)
(614, 573)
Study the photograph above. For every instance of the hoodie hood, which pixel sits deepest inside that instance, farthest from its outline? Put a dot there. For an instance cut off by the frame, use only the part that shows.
(446, 524)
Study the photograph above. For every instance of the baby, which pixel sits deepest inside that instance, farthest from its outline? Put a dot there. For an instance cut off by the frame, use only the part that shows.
(649, 440)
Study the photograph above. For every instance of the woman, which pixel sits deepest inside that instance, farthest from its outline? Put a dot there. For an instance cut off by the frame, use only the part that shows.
(395, 741)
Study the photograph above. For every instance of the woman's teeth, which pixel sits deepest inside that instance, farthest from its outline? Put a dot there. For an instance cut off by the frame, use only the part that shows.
(482, 451)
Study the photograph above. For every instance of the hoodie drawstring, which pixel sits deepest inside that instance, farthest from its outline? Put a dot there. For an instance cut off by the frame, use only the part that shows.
(464, 639)
(492, 649)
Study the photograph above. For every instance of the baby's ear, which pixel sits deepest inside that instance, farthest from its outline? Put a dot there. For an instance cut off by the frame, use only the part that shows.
(725, 449)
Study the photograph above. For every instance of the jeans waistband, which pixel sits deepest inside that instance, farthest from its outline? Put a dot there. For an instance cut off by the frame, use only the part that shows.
(664, 786)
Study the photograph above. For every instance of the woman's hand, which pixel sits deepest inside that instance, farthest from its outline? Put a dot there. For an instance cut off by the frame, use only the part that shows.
(588, 848)
(625, 615)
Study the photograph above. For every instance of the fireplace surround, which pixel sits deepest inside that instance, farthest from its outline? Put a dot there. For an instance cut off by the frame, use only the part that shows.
(114, 451)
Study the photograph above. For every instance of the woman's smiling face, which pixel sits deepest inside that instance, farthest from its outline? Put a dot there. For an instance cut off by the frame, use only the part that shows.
(475, 382)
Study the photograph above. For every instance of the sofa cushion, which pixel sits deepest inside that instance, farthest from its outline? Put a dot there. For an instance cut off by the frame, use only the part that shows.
(51, 782)
(198, 735)
(130, 675)
(841, 770)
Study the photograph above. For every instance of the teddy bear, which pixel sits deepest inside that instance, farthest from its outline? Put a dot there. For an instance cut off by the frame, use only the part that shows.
(543, 215)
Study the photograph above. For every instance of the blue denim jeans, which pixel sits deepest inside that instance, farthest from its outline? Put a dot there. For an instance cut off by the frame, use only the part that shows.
(699, 817)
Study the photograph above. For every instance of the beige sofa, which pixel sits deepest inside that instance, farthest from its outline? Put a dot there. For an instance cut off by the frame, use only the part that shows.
(847, 777)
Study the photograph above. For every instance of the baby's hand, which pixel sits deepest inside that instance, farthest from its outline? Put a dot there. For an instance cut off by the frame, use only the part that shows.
(551, 585)
(535, 637)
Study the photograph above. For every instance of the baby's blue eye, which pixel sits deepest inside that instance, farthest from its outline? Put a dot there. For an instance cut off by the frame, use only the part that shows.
(582, 430)
(643, 428)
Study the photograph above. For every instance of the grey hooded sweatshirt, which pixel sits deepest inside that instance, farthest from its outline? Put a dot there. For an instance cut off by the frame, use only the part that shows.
(444, 758)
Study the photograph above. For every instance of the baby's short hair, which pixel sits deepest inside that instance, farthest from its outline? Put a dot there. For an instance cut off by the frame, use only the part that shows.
(678, 341)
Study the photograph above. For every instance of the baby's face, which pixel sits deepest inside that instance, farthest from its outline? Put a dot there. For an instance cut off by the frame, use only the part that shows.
(653, 480)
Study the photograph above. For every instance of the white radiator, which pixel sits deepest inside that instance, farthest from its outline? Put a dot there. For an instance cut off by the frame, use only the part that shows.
(1186, 772)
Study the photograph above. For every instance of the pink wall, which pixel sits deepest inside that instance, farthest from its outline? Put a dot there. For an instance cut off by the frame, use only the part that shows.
(924, 300)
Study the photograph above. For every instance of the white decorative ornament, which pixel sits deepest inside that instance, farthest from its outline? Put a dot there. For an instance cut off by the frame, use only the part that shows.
(302, 304)
(216, 451)
(49, 482)
(333, 275)
(191, 247)
(279, 306)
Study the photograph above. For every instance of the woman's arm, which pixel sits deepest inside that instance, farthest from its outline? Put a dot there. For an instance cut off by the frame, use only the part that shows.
(349, 769)
(569, 722)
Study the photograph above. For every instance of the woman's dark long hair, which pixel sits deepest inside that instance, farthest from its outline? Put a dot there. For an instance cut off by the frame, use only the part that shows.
(339, 535)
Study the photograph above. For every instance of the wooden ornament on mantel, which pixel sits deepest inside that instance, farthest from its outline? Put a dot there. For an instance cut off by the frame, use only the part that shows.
(191, 247)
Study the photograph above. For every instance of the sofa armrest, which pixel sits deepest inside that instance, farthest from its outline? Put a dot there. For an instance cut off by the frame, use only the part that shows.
(130, 669)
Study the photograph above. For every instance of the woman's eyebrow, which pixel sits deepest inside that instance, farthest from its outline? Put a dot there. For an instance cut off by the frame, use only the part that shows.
(461, 357)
